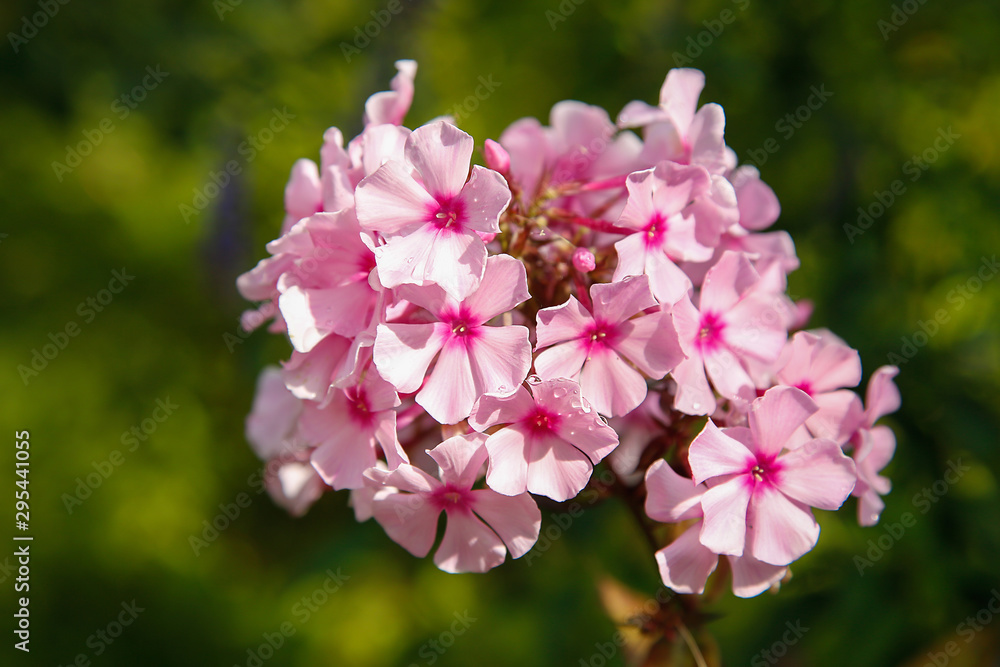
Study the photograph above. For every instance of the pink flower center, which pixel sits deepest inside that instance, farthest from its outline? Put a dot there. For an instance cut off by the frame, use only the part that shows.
(655, 231)
(542, 421)
(451, 498)
(357, 407)
(599, 336)
(765, 470)
(805, 386)
(710, 332)
(464, 327)
(448, 214)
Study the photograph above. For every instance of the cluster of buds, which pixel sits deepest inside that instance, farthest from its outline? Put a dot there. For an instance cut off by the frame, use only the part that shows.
(466, 339)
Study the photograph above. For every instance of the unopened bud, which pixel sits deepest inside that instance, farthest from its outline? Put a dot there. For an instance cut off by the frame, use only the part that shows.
(496, 157)
(583, 260)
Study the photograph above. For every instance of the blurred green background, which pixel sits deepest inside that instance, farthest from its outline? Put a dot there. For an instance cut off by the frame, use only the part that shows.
(224, 67)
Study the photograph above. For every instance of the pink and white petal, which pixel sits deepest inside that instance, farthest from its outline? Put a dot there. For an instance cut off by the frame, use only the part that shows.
(508, 452)
(303, 193)
(783, 529)
(714, 453)
(639, 114)
(776, 415)
(817, 474)
(408, 519)
(752, 577)
(668, 282)
(557, 469)
(562, 323)
(681, 242)
(457, 262)
(385, 435)
(679, 95)
(468, 545)
(403, 352)
(883, 446)
(405, 478)
(706, 133)
(309, 375)
(586, 431)
(390, 106)
(724, 529)
(638, 209)
(835, 366)
(381, 143)
(490, 409)
(450, 391)
(486, 196)
(758, 204)
(561, 361)
(618, 301)
(685, 564)
(671, 498)
(755, 328)
(694, 396)
(500, 358)
(503, 287)
(460, 458)
(273, 416)
(632, 257)
(312, 314)
(832, 421)
(516, 519)
(650, 342)
(379, 394)
(612, 386)
(726, 282)
(728, 375)
(390, 200)
(882, 397)
(407, 259)
(441, 153)
(870, 506)
(343, 457)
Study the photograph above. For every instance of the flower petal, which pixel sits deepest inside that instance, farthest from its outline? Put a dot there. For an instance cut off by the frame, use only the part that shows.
(724, 530)
(441, 153)
(817, 474)
(557, 469)
(713, 453)
(508, 451)
(516, 519)
(403, 352)
(468, 545)
(685, 564)
(783, 529)
(408, 519)
(776, 415)
(671, 497)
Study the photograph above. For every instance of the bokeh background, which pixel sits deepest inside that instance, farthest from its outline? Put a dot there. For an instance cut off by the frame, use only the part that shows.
(225, 66)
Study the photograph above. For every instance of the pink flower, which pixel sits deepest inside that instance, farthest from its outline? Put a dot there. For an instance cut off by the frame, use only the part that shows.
(303, 194)
(655, 209)
(482, 524)
(552, 441)
(273, 430)
(326, 290)
(736, 322)
(873, 445)
(677, 130)
(351, 429)
(598, 347)
(390, 106)
(474, 359)
(821, 364)
(429, 215)
(685, 564)
(758, 497)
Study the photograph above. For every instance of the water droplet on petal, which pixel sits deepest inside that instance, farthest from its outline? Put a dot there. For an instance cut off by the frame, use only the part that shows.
(626, 279)
(696, 406)
(534, 379)
(502, 388)
(604, 420)
(558, 392)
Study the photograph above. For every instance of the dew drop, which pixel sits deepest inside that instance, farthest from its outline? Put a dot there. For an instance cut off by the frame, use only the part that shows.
(534, 379)
(502, 388)
(604, 420)
(558, 392)
(626, 279)
(410, 260)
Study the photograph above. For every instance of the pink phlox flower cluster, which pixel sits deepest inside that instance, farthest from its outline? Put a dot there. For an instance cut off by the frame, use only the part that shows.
(601, 293)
